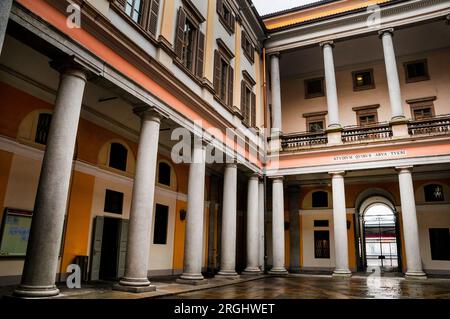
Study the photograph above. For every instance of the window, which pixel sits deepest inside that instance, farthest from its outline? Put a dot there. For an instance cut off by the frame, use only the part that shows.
(416, 71)
(142, 12)
(43, 127)
(315, 121)
(314, 88)
(118, 156)
(422, 108)
(440, 243)
(164, 173)
(366, 115)
(223, 74)
(434, 193)
(247, 46)
(320, 199)
(113, 202)
(322, 244)
(226, 17)
(189, 40)
(363, 80)
(161, 223)
(321, 223)
(248, 100)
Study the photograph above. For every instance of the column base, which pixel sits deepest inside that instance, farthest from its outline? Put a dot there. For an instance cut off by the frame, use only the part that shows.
(192, 279)
(342, 273)
(135, 285)
(278, 271)
(25, 291)
(415, 275)
(230, 275)
(252, 271)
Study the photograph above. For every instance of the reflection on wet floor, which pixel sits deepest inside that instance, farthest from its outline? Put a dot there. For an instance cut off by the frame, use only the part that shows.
(373, 286)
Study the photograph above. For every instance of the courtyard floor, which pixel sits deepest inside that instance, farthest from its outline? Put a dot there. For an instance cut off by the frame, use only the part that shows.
(266, 287)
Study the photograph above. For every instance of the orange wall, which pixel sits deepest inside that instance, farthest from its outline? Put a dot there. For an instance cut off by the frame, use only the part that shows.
(78, 218)
(180, 230)
(5, 166)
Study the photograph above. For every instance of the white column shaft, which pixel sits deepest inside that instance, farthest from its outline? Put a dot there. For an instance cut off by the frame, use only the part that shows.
(331, 90)
(5, 9)
(252, 226)
(41, 262)
(278, 227)
(392, 76)
(340, 225)
(141, 215)
(410, 226)
(228, 246)
(275, 92)
(261, 224)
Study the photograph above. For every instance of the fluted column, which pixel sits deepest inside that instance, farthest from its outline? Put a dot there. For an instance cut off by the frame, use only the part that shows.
(41, 262)
(261, 195)
(141, 215)
(410, 227)
(330, 82)
(340, 225)
(278, 266)
(193, 246)
(5, 9)
(229, 219)
(275, 92)
(252, 227)
(392, 75)
(294, 228)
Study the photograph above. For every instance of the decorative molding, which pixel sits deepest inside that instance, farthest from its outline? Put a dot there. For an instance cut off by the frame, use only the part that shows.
(311, 114)
(366, 107)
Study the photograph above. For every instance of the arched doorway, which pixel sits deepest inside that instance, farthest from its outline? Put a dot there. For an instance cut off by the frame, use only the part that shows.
(380, 237)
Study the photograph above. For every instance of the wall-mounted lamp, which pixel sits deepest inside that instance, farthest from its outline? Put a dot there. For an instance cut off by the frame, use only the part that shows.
(182, 214)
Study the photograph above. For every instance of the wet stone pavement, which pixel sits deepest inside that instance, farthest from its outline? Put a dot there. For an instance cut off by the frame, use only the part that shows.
(327, 288)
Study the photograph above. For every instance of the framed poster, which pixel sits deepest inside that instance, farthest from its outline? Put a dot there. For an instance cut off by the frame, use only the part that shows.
(14, 232)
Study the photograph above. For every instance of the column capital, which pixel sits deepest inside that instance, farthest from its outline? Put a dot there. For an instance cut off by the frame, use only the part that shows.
(274, 54)
(325, 43)
(148, 112)
(404, 169)
(253, 176)
(231, 165)
(72, 65)
(276, 178)
(337, 173)
(387, 30)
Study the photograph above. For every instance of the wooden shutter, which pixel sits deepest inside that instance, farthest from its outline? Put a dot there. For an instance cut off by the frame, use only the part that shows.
(122, 251)
(153, 16)
(179, 32)
(121, 3)
(217, 70)
(220, 7)
(232, 22)
(243, 98)
(200, 54)
(230, 86)
(253, 111)
(96, 251)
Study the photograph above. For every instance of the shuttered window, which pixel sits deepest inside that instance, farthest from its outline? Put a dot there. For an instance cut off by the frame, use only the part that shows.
(247, 46)
(43, 127)
(248, 104)
(226, 16)
(143, 12)
(223, 78)
(189, 42)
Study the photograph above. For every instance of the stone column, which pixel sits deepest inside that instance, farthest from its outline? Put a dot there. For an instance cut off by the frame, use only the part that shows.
(252, 227)
(41, 262)
(330, 83)
(261, 195)
(410, 227)
(294, 228)
(141, 215)
(5, 9)
(193, 246)
(340, 226)
(275, 92)
(392, 75)
(278, 227)
(229, 220)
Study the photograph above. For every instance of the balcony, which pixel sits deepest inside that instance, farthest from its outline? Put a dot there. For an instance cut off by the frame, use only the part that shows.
(357, 134)
(296, 141)
(437, 125)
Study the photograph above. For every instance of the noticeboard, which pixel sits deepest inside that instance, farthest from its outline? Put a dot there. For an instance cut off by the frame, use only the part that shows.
(14, 233)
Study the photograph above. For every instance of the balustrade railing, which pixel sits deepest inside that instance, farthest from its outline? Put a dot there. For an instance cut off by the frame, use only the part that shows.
(303, 140)
(430, 126)
(377, 131)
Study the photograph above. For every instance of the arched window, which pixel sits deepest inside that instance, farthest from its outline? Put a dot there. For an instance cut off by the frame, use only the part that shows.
(320, 199)
(164, 172)
(434, 193)
(118, 156)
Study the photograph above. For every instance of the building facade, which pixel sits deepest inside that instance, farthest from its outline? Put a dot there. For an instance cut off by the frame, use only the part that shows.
(337, 161)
